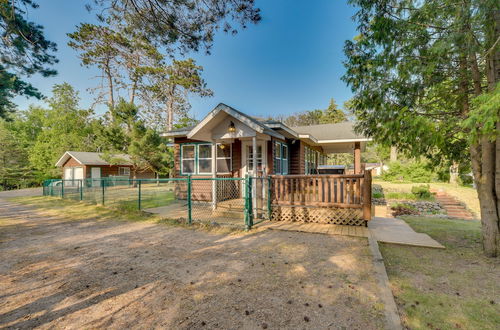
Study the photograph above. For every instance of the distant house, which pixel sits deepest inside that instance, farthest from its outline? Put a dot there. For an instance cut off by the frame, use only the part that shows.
(77, 165)
(228, 142)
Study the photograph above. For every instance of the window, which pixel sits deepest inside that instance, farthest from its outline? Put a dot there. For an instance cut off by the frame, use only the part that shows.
(204, 158)
(311, 160)
(124, 171)
(277, 158)
(284, 160)
(250, 158)
(188, 158)
(224, 155)
(197, 158)
(280, 158)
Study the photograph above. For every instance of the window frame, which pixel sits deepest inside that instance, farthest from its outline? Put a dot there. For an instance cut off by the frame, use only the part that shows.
(230, 159)
(120, 168)
(198, 158)
(182, 145)
(281, 160)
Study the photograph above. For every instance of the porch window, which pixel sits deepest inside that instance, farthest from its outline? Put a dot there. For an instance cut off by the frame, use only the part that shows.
(204, 158)
(312, 158)
(250, 158)
(224, 158)
(188, 158)
(124, 171)
(280, 158)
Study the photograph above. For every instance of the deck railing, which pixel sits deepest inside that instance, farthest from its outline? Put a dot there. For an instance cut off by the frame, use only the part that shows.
(344, 191)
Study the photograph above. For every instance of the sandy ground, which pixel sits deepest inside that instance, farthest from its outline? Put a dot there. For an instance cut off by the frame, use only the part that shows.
(61, 273)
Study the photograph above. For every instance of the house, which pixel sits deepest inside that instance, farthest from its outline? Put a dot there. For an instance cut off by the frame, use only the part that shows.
(77, 165)
(227, 143)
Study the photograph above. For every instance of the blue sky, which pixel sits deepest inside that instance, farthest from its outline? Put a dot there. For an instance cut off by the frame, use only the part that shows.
(291, 61)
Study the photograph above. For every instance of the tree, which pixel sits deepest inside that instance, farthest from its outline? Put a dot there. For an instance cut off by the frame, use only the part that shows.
(169, 87)
(330, 115)
(63, 126)
(129, 135)
(182, 24)
(14, 165)
(424, 75)
(24, 51)
(98, 45)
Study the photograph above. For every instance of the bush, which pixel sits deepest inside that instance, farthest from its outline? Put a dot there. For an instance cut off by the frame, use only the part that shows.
(421, 192)
(377, 194)
(410, 172)
(403, 209)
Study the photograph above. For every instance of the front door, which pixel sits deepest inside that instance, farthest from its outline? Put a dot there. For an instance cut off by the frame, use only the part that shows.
(247, 148)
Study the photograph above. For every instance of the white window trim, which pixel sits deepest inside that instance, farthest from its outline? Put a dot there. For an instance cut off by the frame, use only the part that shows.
(197, 149)
(122, 168)
(230, 158)
(183, 158)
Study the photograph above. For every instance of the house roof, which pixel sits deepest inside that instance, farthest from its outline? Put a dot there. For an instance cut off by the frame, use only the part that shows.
(330, 136)
(325, 132)
(93, 158)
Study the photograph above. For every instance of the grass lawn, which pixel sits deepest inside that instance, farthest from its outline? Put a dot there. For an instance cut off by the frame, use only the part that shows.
(454, 288)
(466, 195)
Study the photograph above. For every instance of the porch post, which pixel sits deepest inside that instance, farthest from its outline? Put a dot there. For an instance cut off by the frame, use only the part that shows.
(214, 175)
(357, 157)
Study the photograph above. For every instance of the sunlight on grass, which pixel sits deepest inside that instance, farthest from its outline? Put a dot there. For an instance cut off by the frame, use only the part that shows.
(466, 195)
(447, 289)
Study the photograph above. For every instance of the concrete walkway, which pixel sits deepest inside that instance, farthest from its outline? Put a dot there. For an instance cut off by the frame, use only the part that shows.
(396, 231)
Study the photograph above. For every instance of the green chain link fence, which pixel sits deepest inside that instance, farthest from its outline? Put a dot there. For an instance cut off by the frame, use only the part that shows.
(219, 201)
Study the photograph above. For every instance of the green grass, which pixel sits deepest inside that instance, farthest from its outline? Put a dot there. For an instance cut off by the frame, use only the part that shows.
(466, 195)
(454, 288)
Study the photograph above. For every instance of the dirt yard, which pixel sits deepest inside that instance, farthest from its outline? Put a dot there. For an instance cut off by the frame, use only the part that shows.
(56, 272)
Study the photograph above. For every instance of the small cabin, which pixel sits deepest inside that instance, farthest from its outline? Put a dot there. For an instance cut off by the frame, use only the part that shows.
(78, 165)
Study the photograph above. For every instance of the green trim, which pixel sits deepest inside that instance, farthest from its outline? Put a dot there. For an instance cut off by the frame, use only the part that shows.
(281, 159)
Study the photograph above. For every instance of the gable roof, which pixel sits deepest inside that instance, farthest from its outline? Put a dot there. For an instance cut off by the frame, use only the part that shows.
(92, 158)
(315, 134)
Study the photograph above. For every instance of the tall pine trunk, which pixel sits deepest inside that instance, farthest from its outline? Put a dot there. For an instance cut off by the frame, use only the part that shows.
(486, 157)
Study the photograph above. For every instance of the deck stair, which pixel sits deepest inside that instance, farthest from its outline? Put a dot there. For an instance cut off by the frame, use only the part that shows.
(453, 207)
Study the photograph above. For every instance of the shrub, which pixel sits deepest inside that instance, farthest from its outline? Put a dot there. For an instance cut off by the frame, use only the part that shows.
(377, 194)
(410, 172)
(421, 192)
(403, 209)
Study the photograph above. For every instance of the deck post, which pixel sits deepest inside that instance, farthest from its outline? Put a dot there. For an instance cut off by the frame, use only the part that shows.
(367, 196)
(357, 158)
(214, 175)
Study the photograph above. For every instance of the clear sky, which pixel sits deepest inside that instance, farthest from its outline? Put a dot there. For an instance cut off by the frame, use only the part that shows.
(291, 61)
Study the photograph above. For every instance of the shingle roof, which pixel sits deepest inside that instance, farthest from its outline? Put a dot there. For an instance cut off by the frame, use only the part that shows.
(339, 131)
(94, 158)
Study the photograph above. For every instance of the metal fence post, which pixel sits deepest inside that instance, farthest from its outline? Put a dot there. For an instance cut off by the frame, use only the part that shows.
(81, 190)
(269, 192)
(62, 189)
(189, 199)
(248, 203)
(102, 185)
(139, 197)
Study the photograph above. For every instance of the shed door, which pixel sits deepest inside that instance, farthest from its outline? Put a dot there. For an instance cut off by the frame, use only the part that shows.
(68, 173)
(78, 175)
